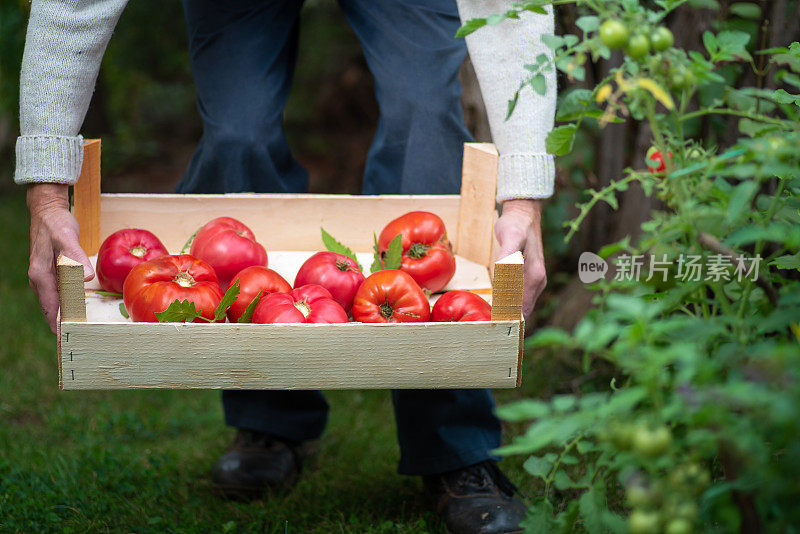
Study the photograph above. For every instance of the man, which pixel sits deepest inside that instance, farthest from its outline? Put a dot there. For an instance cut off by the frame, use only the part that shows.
(243, 54)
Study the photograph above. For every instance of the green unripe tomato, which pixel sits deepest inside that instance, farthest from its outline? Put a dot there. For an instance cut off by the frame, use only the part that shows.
(653, 442)
(639, 496)
(622, 436)
(614, 34)
(678, 526)
(661, 39)
(681, 78)
(687, 511)
(642, 522)
(638, 46)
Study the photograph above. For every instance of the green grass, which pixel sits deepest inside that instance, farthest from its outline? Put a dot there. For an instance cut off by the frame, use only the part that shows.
(139, 460)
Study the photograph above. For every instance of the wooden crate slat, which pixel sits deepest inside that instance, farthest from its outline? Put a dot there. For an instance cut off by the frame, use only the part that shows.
(232, 356)
(279, 221)
(86, 198)
(477, 211)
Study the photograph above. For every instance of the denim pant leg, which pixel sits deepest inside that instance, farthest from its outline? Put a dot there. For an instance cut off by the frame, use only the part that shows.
(418, 149)
(243, 56)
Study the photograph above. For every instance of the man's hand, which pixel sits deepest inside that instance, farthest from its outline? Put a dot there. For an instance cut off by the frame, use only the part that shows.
(519, 229)
(54, 231)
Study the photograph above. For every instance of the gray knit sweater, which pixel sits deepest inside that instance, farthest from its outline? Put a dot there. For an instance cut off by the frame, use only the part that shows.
(66, 41)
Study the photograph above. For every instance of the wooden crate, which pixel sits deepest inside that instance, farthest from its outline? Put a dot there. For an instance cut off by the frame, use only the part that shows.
(99, 349)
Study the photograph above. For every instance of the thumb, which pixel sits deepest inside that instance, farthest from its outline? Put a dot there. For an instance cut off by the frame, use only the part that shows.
(76, 253)
(509, 241)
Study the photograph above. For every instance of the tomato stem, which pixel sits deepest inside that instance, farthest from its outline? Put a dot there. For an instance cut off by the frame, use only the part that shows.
(342, 265)
(139, 251)
(386, 310)
(184, 279)
(418, 250)
(303, 307)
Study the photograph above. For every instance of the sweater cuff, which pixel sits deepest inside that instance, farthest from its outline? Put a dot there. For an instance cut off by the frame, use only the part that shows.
(525, 176)
(48, 158)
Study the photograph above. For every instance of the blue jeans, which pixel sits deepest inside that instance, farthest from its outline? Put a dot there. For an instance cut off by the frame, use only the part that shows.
(243, 54)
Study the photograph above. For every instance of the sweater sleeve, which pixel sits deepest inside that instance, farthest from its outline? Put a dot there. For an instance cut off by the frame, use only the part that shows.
(65, 43)
(499, 53)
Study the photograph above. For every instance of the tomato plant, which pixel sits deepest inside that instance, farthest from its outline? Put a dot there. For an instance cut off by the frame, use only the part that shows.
(337, 273)
(390, 296)
(460, 305)
(121, 252)
(228, 246)
(691, 427)
(307, 304)
(153, 285)
(427, 254)
(255, 282)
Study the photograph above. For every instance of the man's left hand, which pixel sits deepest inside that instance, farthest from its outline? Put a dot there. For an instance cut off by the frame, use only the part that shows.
(519, 229)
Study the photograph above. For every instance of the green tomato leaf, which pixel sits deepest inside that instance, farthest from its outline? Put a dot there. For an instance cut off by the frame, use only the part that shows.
(787, 262)
(332, 245)
(559, 141)
(123, 311)
(470, 26)
(180, 311)
(377, 263)
(188, 243)
(111, 294)
(227, 300)
(248, 312)
(746, 10)
(394, 254)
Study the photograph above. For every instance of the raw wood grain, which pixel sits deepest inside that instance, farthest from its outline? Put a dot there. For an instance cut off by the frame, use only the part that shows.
(477, 210)
(86, 198)
(342, 356)
(70, 289)
(507, 288)
(279, 221)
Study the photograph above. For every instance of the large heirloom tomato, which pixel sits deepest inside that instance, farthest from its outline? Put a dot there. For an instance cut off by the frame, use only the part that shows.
(253, 281)
(307, 304)
(427, 254)
(121, 252)
(460, 306)
(153, 285)
(390, 296)
(228, 246)
(335, 272)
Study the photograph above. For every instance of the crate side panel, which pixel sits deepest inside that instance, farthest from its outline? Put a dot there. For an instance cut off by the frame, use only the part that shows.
(279, 222)
(347, 356)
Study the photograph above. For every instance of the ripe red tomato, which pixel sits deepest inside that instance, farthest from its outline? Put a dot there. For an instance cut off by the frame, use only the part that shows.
(228, 246)
(655, 156)
(460, 306)
(121, 252)
(335, 272)
(427, 254)
(153, 285)
(253, 281)
(307, 304)
(391, 296)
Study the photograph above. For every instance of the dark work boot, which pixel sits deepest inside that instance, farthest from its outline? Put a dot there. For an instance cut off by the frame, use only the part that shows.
(476, 499)
(256, 464)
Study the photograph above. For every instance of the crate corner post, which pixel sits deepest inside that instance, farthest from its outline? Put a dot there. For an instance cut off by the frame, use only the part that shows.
(507, 297)
(86, 198)
(476, 217)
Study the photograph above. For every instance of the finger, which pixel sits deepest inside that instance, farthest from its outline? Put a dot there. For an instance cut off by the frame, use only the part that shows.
(42, 278)
(509, 240)
(70, 247)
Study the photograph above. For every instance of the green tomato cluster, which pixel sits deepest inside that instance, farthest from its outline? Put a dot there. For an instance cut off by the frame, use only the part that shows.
(615, 35)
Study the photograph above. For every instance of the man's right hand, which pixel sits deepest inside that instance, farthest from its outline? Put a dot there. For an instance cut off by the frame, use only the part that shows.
(54, 231)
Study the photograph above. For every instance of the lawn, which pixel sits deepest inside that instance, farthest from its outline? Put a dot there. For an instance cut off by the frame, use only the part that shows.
(139, 460)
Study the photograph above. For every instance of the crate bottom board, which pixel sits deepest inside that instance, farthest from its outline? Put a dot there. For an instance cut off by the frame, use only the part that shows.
(289, 356)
